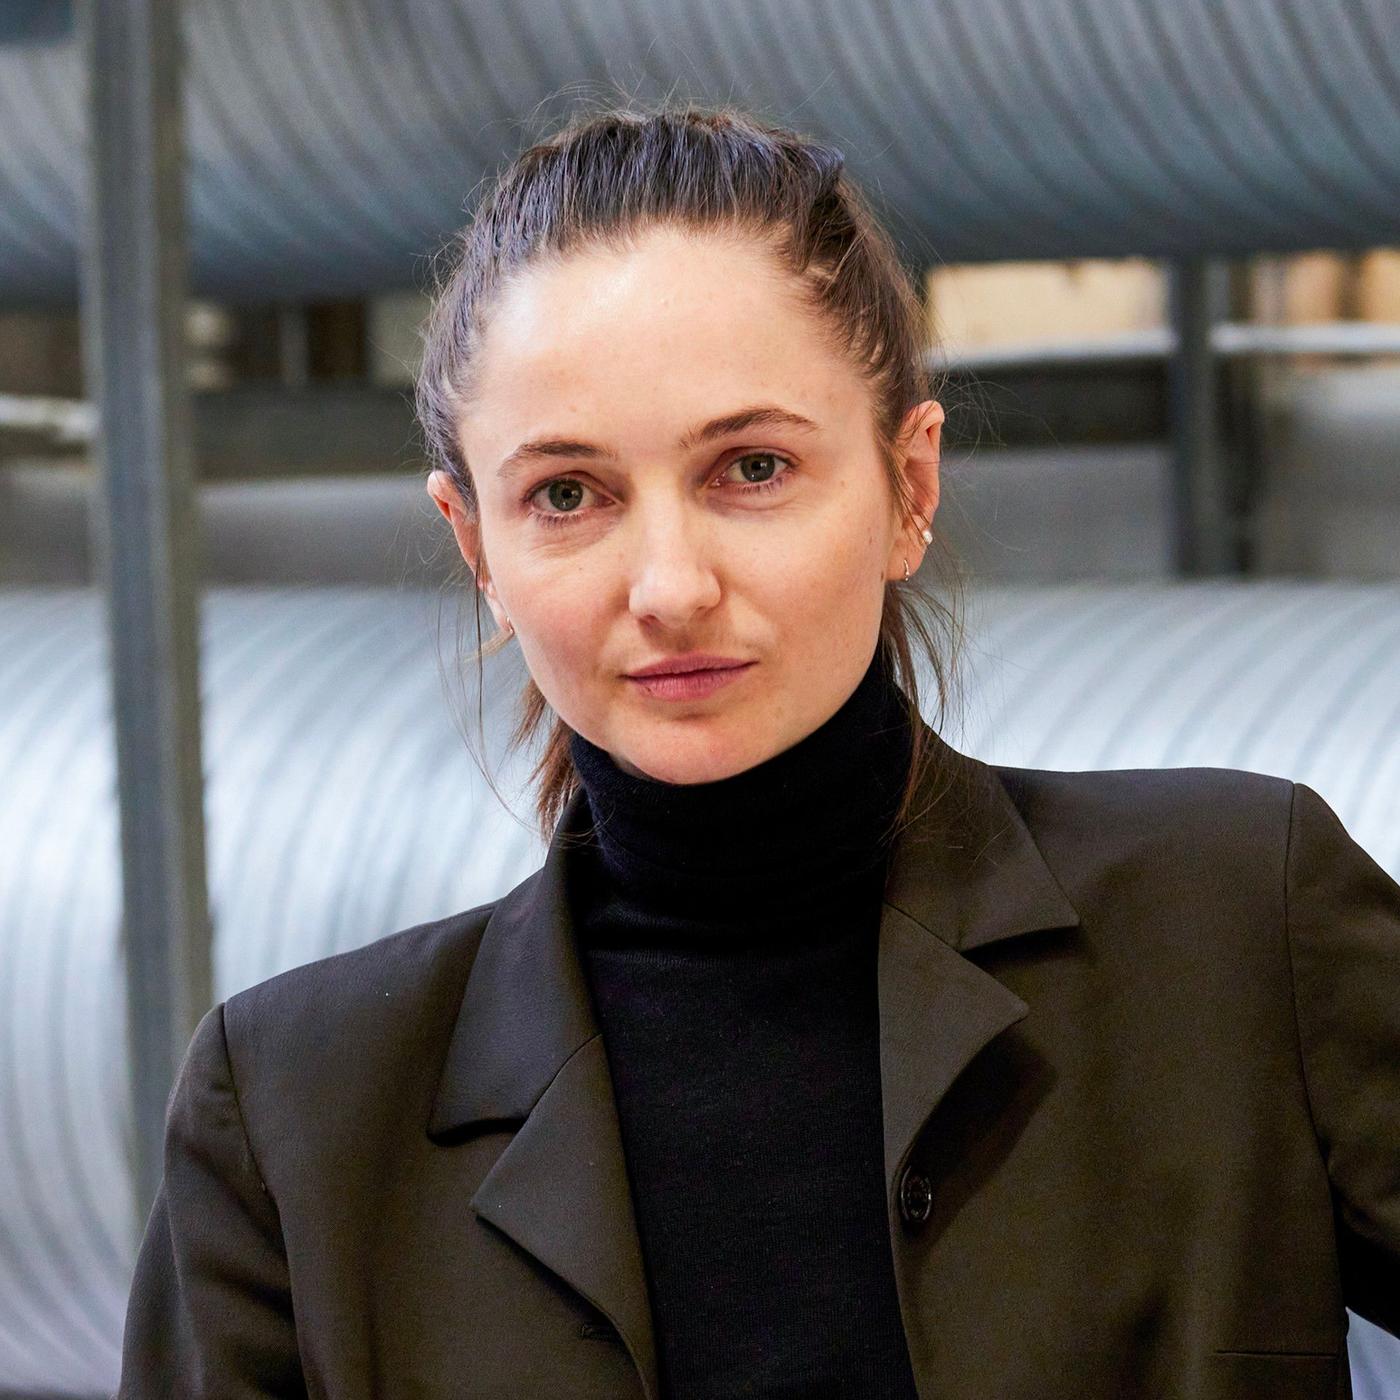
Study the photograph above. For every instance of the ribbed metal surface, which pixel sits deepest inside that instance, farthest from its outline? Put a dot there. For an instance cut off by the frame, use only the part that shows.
(35, 21)
(332, 143)
(1301, 680)
(328, 742)
(342, 806)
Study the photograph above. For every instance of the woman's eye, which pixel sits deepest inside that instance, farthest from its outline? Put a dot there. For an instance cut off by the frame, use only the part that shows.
(768, 472)
(773, 472)
(561, 496)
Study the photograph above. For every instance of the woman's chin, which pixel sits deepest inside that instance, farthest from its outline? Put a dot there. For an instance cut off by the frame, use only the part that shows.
(674, 760)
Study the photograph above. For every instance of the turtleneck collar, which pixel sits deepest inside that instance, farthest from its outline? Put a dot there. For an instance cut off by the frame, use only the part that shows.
(787, 834)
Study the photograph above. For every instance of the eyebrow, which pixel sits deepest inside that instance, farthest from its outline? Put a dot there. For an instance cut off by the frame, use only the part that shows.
(757, 416)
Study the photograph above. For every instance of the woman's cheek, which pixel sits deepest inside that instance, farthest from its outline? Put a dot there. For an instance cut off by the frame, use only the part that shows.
(840, 568)
(565, 616)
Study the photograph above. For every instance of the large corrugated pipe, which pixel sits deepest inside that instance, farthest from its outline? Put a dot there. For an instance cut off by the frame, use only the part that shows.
(332, 142)
(342, 806)
(35, 21)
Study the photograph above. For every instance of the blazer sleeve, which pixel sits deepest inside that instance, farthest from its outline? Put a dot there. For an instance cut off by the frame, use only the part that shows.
(210, 1308)
(1343, 922)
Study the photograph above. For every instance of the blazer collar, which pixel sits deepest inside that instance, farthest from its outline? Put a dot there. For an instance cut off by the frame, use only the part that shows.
(963, 874)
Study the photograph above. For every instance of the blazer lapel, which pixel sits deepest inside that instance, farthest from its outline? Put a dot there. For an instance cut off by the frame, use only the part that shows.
(965, 873)
(526, 1046)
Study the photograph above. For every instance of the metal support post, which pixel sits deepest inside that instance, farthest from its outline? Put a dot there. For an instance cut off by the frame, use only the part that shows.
(144, 536)
(1203, 530)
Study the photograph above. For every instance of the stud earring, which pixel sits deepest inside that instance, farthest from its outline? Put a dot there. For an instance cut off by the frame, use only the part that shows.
(927, 535)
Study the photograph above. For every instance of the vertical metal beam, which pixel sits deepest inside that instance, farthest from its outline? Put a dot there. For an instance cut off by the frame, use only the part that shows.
(1203, 530)
(144, 536)
(293, 346)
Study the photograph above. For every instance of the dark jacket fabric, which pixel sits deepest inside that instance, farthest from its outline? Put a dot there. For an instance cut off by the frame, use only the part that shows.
(1140, 1070)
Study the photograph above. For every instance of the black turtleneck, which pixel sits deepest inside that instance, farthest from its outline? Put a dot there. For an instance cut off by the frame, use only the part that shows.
(728, 931)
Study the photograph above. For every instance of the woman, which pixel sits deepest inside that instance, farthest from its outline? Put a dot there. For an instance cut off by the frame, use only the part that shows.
(818, 1059)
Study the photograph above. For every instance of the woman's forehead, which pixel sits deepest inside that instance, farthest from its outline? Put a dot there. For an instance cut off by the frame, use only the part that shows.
(669, 293)
(633, 348)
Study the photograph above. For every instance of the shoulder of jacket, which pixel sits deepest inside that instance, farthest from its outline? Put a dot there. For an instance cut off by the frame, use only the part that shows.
(1172, 816)
(330, 1001)
(1116, 789)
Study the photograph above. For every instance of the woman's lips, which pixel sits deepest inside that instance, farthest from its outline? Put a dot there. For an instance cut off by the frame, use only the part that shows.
(689, 685)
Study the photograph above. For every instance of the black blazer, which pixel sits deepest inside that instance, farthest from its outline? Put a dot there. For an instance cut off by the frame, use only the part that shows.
(1140, 1056)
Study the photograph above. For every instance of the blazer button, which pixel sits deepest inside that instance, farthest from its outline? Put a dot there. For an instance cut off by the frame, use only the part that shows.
(915, 1197)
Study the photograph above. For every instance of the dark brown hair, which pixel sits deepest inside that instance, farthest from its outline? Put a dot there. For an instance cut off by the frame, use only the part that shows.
(602, 180)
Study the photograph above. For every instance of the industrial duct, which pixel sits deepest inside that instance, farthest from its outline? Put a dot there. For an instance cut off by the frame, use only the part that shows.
(332, 144)
(342, 806)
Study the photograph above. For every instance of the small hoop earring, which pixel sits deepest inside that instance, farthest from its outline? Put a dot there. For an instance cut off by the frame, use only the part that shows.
(906, 571)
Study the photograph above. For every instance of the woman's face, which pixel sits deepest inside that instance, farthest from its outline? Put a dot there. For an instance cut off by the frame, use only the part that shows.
(624, 522)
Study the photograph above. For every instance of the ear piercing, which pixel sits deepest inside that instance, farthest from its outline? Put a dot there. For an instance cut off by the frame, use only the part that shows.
(507, 627)
(927, 536)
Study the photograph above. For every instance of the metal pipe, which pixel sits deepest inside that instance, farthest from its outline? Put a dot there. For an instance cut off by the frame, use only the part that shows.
(144, 539)
(1203, 536)
(334, 144)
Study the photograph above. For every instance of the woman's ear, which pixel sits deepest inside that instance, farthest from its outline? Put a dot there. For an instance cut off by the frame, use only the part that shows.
(466, 529)
(924, 433)
(921, 440)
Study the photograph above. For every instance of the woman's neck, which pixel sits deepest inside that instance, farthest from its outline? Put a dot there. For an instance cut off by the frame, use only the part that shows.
(775, 841)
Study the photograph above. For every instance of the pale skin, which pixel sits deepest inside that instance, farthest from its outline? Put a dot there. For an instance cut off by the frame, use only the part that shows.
(664, 547)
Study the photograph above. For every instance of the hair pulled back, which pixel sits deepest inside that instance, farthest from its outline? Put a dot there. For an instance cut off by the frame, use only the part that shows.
(598, 183)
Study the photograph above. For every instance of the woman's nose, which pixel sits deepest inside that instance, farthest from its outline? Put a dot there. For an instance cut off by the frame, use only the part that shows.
(673, 577)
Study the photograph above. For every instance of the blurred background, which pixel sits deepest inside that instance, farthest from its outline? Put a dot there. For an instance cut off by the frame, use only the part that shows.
(1159, 246)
